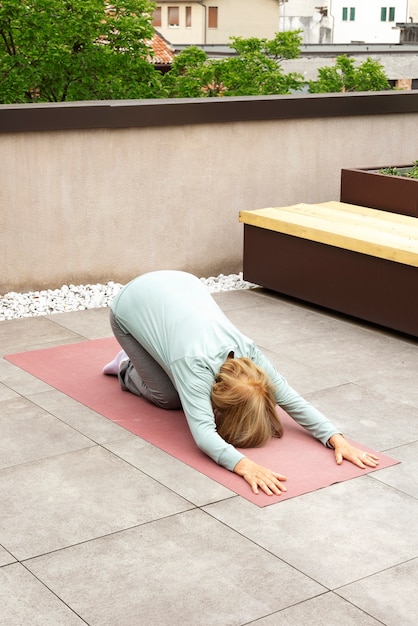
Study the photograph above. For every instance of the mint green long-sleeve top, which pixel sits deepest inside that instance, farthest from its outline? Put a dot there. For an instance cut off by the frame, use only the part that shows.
(174, 317)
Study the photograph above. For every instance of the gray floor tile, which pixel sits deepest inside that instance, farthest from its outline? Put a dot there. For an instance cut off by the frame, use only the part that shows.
(327, 610)
(5, 558)
(403, 476)
(336, 535)
(184, 570)
(367, 416)
(276, 324)
(20, 381)
(86, 421)
(390, 596)
(32, 333)
(6, 393)
(90, 323)
(354, 352)
(170, 472)
(400, 385)
(29, 433)
(70, 498)
(303, 377)
(229, 300)
(25, 600)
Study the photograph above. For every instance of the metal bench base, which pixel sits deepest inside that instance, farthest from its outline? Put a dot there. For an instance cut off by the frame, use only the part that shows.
(370, 288)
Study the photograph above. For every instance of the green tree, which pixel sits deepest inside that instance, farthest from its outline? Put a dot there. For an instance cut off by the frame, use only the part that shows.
(57, 50)
(255, 70)
(187, 74)
(285, 45)
(344, 76)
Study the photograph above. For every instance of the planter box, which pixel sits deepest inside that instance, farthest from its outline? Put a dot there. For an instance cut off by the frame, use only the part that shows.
(369, 188)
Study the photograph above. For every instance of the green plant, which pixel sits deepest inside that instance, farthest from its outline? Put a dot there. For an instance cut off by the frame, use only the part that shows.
(254, 71)
(411, 172)
(344, 76)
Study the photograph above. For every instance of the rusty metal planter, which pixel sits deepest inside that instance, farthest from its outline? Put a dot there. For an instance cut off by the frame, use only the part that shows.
(369, 188)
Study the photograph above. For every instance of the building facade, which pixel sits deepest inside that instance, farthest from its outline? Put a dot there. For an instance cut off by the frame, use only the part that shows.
(374, 21)
(310, 16)
(213, 22)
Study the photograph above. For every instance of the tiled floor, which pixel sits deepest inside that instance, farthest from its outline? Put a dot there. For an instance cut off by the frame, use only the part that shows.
(98, 527)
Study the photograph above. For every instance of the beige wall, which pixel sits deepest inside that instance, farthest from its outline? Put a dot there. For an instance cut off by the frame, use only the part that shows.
(90, 206)
(195, 34)
(413, 10)
(243, 18)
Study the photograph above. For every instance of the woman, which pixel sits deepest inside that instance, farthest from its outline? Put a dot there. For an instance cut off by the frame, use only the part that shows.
(181, 351)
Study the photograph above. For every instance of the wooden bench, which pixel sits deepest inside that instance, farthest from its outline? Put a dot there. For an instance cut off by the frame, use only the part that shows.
(355, 260)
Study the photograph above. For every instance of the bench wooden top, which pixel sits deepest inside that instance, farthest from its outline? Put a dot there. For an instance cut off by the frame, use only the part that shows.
(368, 231)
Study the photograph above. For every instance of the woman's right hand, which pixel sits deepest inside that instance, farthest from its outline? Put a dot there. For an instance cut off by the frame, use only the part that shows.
(258, 476)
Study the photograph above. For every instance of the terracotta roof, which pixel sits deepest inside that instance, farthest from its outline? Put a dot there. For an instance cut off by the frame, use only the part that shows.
(163, 52)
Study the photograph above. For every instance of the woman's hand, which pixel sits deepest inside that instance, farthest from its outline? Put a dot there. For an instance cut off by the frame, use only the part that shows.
(344, 450)
(259, 476)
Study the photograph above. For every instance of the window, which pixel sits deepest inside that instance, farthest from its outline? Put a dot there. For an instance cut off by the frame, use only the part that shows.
(173, 17)
(188, 17)
(384, 12)
(349, 12)
(156, 17)
(212, 17)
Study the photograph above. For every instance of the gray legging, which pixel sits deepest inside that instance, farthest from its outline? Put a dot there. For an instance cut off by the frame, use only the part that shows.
(142, 375)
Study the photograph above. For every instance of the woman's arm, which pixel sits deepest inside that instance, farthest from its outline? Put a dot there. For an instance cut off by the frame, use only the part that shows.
(194, 383)
(294, 404)
(313, 420)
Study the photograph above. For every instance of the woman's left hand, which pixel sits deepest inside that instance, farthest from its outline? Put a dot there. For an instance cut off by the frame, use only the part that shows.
(344, 450)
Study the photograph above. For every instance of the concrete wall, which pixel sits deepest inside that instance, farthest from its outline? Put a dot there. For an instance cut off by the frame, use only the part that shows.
(101, 191)
(396, 65)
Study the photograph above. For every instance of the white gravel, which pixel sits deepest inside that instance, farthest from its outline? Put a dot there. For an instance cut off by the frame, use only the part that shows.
(15, 305)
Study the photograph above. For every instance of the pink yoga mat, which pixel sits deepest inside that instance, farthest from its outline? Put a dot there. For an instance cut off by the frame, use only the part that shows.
(76, 370)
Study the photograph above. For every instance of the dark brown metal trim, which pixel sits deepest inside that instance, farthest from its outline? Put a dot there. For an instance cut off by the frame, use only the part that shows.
(176, 112)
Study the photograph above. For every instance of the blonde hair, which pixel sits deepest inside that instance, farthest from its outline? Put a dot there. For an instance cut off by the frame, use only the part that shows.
(244, 405)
